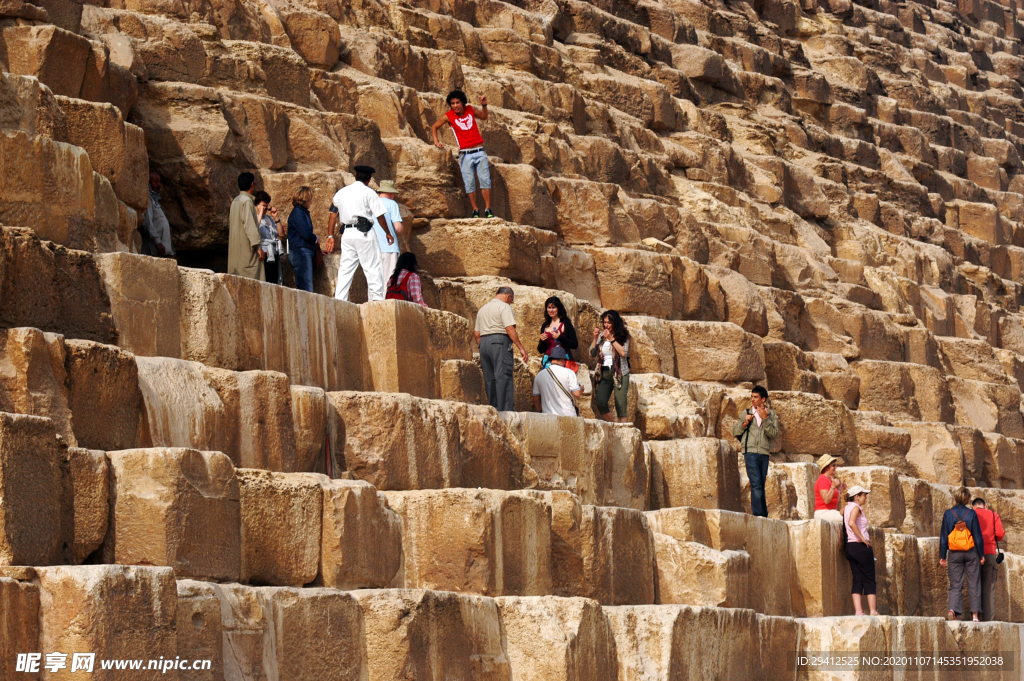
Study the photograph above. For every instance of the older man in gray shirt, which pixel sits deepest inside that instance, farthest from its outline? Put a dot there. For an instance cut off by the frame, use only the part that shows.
(495, 333)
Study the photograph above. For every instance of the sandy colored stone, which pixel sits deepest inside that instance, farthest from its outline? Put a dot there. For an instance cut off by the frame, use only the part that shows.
(698, 472)
(450, 248)
(86, 480)
(33, 378)
(399, 442)
(130, 613)
(103, 395)
(548, 637)
(398, 348)
(885, 506)
(602, 463)
(646, 283)
(462, 381)
(903, 560)
(659, 642)
(282, 520)
(19, 625)
(989, 407)
(935, 452)
(905, 391)
(145, 302)
(694, 574)
(812, 425)
(821, 574)
(669, 408)
(432, 635)
(917, 497)
(200, 633)
(651, 350)
(881, 445)
(310, 418)
(361, 542)
(711, 351)
(494, 543)
(800, 477)
(30, 481)
(617, 547)
(787, 367)
(175, 507)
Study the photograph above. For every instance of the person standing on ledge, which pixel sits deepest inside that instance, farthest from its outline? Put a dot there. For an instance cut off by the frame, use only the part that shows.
(357, 208)
(155, 230)
(473, 161)
(245, 255)
(389, 252)
(755, 434)
(495, 333)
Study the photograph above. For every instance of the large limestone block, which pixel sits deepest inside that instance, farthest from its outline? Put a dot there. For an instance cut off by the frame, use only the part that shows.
(478, 541)
(783, 477)
(310, 418)
(716, 351)
(86, 477)
(764, 540)
(694, 574)
(548, 637)
(846, 634)
(935, 452)
(55, 56)
(665, 642)
(33, 377)
(361, 542)
(743, 304)
(282, 520)
(787, 368)
(30, 485)
(398, 348)
(175, 507)
(646, 283)
(114, 611)
(593, 213)
(617, 547)
(1003, 461)
(881, 445)
(903, 561)
(103, 395)
(399, 442)
(989, 407)
(461, 381)
(651, 350)
(281, 632)
(432, 635)
(19, 624)
(145, 302)
(971, 359)
(602, 463)
(52, 288)
(779, 636)
(906, 391)
(669, 408)
(199, 627)
(886, 506)
(917, 498)
(456, 248)
(821, 573)
(698, 472)
(812, 425)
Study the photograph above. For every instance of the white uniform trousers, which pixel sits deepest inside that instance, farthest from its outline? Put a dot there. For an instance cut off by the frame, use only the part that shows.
(360, 249)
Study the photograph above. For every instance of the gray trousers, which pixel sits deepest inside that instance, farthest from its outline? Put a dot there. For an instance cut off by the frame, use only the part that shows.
(497, 363)
(988, 582)
(962, 564)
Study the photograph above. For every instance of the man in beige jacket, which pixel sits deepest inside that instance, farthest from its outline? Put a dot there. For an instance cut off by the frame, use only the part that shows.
(245, 257)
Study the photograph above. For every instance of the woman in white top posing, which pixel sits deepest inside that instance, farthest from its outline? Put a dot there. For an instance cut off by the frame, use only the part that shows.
(611, 344)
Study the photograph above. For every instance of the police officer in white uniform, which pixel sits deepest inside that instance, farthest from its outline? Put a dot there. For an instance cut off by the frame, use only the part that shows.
(358, 207)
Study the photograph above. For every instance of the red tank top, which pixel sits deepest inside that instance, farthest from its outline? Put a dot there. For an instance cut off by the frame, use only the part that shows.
(465, 128)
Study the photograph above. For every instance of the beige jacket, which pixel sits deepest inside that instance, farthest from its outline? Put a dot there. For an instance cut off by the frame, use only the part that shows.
(244, 239)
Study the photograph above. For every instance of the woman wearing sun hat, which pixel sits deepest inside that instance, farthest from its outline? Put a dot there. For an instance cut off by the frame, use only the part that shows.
(828, 490)
(858, 549)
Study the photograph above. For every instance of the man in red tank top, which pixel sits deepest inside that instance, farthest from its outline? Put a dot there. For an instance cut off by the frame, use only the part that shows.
(473, 161)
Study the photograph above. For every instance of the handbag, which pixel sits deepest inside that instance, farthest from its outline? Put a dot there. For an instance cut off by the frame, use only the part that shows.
(562, 388)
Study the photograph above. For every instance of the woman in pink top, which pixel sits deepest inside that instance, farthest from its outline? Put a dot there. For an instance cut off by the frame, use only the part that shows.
(858, 550)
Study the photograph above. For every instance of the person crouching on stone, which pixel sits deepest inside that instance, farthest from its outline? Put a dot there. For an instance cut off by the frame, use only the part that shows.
(858, 550)
(358, 208)
(828, 490)
(556, 386)
(755, 434)
(473, 161)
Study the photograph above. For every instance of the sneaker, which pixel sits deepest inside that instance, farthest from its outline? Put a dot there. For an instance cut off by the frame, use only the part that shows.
(488, 213)
(475, 214)
(951, 616)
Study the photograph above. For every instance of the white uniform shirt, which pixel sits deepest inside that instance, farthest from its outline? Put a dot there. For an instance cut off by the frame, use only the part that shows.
(552, 399)
(357, 200)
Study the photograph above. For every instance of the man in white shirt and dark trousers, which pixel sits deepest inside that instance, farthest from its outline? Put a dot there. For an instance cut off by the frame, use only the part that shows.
(556, 386)
(358, 208)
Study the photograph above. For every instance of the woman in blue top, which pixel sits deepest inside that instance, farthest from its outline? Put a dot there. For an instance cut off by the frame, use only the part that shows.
(301, 239)
(963, 563)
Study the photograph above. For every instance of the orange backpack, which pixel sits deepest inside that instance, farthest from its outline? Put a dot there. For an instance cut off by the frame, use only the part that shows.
(960, 539)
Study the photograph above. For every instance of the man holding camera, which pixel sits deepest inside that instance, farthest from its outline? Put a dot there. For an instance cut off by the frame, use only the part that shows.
(358, 208)
(756, 432)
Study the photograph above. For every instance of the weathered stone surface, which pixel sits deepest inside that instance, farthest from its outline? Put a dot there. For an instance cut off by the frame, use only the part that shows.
(86, 476)
(19, 625)
(812, 425)
(282, 517)
(710, 351)
(557, 638)
(361, 543)
(144, 302)
(199, 627)
(906, 391)
(694, 574)
(310, 418)
(651, 350)
(698, 472)
(34, 379)
(178, 508)
(885, 506)
(467, 249)
(103, 395)
(398, 348)
(821, 573)
(30, 481)
(479, 541)
(602, 463)
(130, 613)
(669, 408)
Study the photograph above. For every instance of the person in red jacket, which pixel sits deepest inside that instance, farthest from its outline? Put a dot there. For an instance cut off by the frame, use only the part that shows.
(473, 161)
(992, 532)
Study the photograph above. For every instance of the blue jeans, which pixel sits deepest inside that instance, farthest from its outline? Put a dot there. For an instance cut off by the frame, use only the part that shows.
(302, 262)
(477, 161)
(757, 473)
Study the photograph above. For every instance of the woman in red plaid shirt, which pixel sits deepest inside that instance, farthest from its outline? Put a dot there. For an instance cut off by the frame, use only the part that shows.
(405, 284)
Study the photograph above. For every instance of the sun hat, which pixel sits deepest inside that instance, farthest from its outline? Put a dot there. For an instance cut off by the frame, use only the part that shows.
(387, 187)
(826, 460)
(855, 490)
